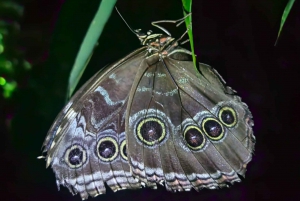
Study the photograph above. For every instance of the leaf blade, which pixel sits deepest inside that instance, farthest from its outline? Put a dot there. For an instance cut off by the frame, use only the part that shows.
(89, 42)
(187, 8)
(284, 17)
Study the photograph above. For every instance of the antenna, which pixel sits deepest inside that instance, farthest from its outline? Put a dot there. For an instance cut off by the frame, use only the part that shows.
(137, 32)
(142, 36)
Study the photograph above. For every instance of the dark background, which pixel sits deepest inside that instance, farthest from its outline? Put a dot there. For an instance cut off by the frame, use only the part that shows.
(236, 37)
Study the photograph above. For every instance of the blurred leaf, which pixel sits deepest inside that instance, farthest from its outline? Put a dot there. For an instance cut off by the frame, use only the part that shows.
(10, 8)
(1, 44)
(89, 42)
(2, 81)
(284, 16)
(9, 88)
(6, 66)
(1, 48)
(12, 63)
(26, 65)
(187, 8)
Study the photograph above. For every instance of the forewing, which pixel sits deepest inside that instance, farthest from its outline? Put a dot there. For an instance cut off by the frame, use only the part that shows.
(86, 145)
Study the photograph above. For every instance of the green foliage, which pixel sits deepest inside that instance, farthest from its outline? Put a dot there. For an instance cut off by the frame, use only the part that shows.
(284, 16)
(9, 88)
(89, 43)
(12, 63)
(187, 6)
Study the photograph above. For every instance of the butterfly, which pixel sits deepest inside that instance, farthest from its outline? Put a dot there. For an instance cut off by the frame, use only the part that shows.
(151, 118)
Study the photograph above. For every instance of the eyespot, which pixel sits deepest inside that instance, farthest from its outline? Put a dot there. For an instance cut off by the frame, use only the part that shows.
(123, 150)
(194, 137)
(228, 116)
(75, 156)
(213, 128)
(151, 131)
(107, 149)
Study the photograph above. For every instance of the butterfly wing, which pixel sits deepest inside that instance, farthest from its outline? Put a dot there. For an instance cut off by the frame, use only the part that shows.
(186, 129)
(151, 118)
(86, 145)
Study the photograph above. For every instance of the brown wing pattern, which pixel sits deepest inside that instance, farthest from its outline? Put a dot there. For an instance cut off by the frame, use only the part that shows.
(150, 119)
(186, 129)
(86, 146)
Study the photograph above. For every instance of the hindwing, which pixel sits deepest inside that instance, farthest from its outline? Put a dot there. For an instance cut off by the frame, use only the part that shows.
(186, 129)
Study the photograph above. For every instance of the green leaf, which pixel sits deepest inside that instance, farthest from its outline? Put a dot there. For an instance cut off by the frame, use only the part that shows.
(2, 81)
(9, 88)
(89, 42)
(187, 5)
(284, 16)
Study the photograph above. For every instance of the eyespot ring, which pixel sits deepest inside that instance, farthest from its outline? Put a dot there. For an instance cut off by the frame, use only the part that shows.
(194, 137)
(107, 149)
(228, 116)
(123, 150)
(75, 156)
(151, 131)
(213, 129)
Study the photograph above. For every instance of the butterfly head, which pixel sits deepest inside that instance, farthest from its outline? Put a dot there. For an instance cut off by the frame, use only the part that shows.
(157, 43)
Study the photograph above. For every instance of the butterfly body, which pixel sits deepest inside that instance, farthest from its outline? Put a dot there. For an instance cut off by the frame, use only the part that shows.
(151, 118)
